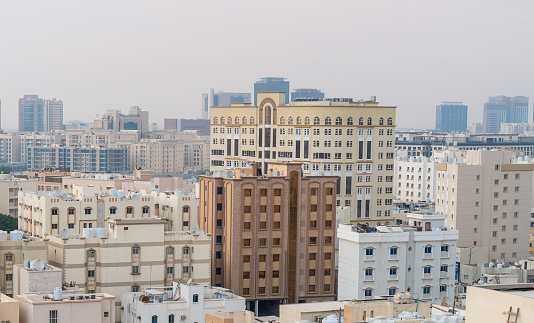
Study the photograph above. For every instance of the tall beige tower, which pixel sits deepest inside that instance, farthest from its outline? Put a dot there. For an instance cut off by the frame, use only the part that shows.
(353, 141)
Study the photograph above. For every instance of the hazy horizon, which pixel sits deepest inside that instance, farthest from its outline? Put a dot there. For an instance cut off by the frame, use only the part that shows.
(161, 56)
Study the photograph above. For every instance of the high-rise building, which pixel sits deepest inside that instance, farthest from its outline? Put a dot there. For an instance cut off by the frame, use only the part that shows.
(451, 117)
(53, 118)
(273, 236)
(221, 98)
(501, 109)
(271, 84)
(339, 137)
(306, 94)
(31, 113)
(170, 124)
(486, 195)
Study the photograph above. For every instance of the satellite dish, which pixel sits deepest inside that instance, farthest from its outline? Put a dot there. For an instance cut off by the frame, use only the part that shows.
(200, 232)
(64, 233)
(193, 231)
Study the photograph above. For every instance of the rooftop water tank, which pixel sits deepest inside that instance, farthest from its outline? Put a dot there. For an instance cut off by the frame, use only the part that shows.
(100, 232)
(89, 233)
(120, 194)
(3, 235)
(27, 263)
(113, 192)
(15, 235)
(58, 294)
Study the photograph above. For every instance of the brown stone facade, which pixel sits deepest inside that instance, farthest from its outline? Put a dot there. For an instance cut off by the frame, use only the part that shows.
(273, 236)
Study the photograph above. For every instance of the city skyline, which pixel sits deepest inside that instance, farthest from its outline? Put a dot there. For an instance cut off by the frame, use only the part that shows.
(116, 74)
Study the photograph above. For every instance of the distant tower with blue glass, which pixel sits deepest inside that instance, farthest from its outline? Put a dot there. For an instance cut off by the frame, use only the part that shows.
(271, 84)
(451, 117)
(306, 94)
(31, 113)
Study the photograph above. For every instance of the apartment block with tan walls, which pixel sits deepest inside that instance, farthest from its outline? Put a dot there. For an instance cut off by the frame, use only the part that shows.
(14, 249)
(178, 207)
(353, 141)
(486, 195)
(9, 194)
(9, 309)
(273, 236)
(49, 213)
(133, 255)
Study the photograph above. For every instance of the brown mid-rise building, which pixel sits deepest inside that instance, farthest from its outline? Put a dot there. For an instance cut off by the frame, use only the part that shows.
(273, 236)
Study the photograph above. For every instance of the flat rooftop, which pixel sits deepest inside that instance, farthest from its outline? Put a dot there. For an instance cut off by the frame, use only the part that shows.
(316, 307)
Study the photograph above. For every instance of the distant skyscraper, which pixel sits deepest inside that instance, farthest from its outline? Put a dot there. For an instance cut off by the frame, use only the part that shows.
(220, 99)
(306, 94)
(271, 84)
(1, 115)
(31, 113)
(170, 124)
(451, 117)
(501, 109)
(53, 118)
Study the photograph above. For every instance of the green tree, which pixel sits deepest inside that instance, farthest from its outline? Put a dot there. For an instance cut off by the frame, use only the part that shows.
(8, 223)
(5, 170)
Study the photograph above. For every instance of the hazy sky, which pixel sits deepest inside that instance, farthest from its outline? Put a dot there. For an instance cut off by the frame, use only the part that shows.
(161, 55)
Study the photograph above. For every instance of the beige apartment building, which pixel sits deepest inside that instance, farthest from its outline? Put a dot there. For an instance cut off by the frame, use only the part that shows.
(180, 209)
(273, 236)
(13, 251)
(353, 141)
(9, 194)
(487, 197)
(133, 255)
(50, 213)
(169, 156)
(9, 309)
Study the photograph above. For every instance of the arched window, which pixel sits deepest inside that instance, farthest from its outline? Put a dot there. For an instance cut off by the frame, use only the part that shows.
(244, 120)
(215, 120)
(236, 120)
(91, 253)
(350, 121)
(299, 120)
(251, 120)
(368, 293)
(10, 257)
(392, 291)
(171, 318)
(170, 250)
(339, 121)
(112, 210)
(154, 319)
(229, 120)
(222, 120)
(307, 121)
(195, 298)
(390, 121)
(129, 211)
(360, 121)
(146, 211)
(381, 121)
(282, 120)
(369, 121)
(185, 250)
(328, 121)
(87, 210)
(316, 121)
(267, 115)
(290, 120)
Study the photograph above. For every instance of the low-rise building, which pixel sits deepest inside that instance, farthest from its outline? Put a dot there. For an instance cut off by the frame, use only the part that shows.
(132, 254)
(386, 260)
(49, 213)
(36, 276)
(500, 303)
(185, 303)
(230, 317)
(66, 307)
(9, 194)
(311, 312)
(364, 310)
(179, 208)
(415, 179)
(9, 309)
(14, 248)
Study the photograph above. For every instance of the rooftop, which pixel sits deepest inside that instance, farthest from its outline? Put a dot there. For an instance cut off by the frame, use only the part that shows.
(316, 307)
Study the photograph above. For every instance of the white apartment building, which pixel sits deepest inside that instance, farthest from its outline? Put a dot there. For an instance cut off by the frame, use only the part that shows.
(132, 255)
(339, 137)
(415, 179)
(184, 303)
(48, 213)
(398, 259)
(486, 195)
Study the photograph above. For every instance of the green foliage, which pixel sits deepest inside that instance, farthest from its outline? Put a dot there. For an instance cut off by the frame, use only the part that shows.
(8, 223)
(5, 170)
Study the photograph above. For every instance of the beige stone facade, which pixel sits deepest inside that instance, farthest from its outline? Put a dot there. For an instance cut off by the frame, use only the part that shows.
(273, 236)
(230, 317)
(487, 197)
(14, 252)
(9, 309)
(179, 208)
(133, 255)
(353, 141)
(49, 213)
(9, 194)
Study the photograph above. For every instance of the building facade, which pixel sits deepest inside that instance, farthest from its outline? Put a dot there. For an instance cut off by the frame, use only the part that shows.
(31, 113)
(271, 84)
(486, 195)
(133, 255)
(415, 179)
(451, 117)
(9, 194)
(273, 236)
(398, 259)
(53, 117)
(221, 98)
(350, 140)
(306, 94)
(501, 109)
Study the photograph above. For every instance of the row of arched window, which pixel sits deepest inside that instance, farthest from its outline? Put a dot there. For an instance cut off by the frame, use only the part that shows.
(316, 121)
